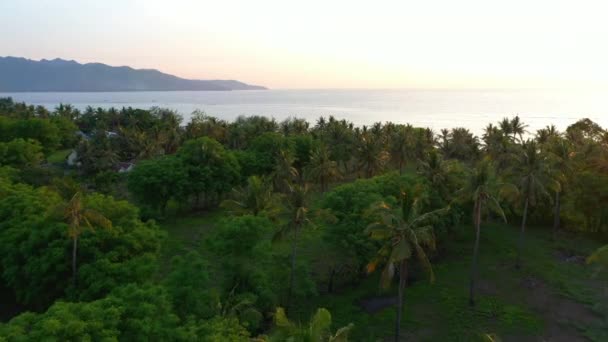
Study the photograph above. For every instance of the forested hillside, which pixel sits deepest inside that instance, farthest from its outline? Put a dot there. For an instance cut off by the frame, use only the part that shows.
(131, 225)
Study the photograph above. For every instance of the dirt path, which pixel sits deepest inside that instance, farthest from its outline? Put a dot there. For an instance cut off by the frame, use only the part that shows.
(563, 316)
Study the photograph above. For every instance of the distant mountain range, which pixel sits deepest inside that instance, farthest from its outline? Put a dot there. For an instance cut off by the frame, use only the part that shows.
(26, 75)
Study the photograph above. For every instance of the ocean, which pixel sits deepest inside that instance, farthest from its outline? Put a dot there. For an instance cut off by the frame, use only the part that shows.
(437, 109)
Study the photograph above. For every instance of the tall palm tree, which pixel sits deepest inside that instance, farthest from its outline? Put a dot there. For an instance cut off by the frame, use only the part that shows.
(532, 172)
(257, 198)
(403, 232)
(296, 212)
(79, 218)
(506, 126)
(322, 169)
(317, 330)
(401, 145)
(561, 154)
(518, 127)
(284, 172)
(371, 155)
(482, 189)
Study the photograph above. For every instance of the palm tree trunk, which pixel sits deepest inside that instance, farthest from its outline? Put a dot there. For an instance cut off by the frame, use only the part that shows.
(402, 283)
(475, 253)
(74, 252)
(556, 218)
(294, 248)
(521, 235)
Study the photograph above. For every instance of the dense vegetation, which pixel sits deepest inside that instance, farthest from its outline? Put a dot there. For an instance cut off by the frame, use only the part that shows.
(128, 225)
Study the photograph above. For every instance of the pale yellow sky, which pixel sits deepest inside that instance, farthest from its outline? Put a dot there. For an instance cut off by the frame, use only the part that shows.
(326, 44)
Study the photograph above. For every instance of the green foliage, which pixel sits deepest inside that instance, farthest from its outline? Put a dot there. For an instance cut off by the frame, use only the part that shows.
(317, 329)
(21, 153)
(97, 154)
(153, 182)
(251, 265)
(41, 130)
(35, 249)
(585, 203)
(211, 170)
(257, 198)
(303, 146)
(189, 286)
(263, 151)
(348, 203)
(220, 329)
(129, 313)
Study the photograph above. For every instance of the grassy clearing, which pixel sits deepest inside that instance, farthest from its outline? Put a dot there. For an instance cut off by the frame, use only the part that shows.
(58, 157)
(553, 297)
(184, 234)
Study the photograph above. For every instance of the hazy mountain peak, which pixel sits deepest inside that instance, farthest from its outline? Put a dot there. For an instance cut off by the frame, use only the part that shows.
(22, 75)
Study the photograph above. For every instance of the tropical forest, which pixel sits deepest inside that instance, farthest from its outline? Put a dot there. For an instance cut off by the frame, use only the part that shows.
(123, 224)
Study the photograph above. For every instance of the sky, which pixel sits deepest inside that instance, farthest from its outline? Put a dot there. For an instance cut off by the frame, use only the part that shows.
(325, 44)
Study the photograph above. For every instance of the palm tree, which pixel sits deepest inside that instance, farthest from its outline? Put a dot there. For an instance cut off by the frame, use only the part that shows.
(531, 167)
(401, 144)
(403, 233)
(518, 127)
(322, 169)
(296, 212)
(257, 198)
(284, 172)
(506, 126)
(317, 330)
(482, 189)
(80, 219)
(371, 155)
(560, 154)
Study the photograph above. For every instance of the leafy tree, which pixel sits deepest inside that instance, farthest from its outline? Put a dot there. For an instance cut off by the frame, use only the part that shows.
(244, 130)
(251, 267)
(211, 170)
(97, 154)
(66, 130)
(189, 286)
(21, 153)
(403, 232)
(347, 203)
(220, 329)
(34, 248)
(129, 313)
(44, 131)
(203, 125)
(154, 182)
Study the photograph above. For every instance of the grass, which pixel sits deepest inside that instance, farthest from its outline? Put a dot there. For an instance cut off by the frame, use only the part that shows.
(58, 157)
(549, 297)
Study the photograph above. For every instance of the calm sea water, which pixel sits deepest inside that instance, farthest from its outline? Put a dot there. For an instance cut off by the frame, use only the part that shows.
(437, 109)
